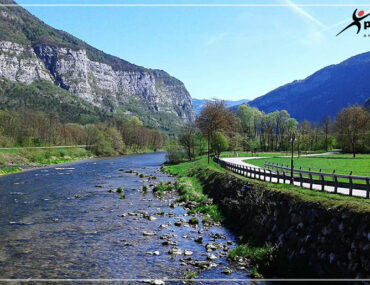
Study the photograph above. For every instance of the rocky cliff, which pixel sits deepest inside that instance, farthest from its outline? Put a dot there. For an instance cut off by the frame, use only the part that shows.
(30, 51)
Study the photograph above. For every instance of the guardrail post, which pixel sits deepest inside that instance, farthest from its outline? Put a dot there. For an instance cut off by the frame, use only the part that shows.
(270, 175)
(368, 188)
(350, 184)
(311, 182)
(335, 184)
(283, 177)
(278, 176)
(322, 182)
(301, 179)
(264, 174)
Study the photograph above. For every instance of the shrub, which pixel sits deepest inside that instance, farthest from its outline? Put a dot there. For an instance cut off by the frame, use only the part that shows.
(161, 188)
(194, 221)
(174, 154)
(264, 256)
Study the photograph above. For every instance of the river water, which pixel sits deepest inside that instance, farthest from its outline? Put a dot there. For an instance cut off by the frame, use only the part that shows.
(62, 222)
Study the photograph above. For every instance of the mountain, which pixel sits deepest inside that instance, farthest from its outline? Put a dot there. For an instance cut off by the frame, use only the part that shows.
(323, 93)
(199, 104)
(31, 52)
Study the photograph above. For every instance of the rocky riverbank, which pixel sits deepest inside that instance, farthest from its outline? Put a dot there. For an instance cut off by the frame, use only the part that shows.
(109, 218)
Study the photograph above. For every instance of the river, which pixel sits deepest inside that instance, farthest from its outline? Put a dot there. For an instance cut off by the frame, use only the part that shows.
(62, 222)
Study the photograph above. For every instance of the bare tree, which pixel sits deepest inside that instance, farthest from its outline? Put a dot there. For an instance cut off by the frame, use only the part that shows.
(325, 126)
(187, 139)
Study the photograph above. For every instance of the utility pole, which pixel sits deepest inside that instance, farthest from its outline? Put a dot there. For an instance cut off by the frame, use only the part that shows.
(292, 158)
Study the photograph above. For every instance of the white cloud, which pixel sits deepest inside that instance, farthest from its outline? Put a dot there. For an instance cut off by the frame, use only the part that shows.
(304, 14)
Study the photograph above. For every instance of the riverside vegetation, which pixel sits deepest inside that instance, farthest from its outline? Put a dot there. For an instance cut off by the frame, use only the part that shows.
(217, 130)
(23, 130)
(265, 257)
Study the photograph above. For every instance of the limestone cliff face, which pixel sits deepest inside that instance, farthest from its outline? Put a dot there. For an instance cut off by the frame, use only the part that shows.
(105, 87)
(96, 82)
(20, 63)
(30, 50)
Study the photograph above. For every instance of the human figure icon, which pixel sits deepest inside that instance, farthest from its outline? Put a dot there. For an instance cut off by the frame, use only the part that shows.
(357, 18)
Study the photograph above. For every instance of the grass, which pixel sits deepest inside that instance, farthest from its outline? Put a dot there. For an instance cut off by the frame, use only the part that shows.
(263, 257)
(188, 171)
(191, 275)
(261, 154)
(9, 157)
(342, 163)
(270, 260)
(10, 170)
(194, 221)
(256, 255)
(162, 188)
(190, 188)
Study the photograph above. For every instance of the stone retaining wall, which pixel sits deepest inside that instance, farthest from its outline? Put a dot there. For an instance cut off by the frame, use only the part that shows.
(335, 243)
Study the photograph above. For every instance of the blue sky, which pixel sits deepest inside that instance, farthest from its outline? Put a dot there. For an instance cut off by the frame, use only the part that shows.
(225, 52)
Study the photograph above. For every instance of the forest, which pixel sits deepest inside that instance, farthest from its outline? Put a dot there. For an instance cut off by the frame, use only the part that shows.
(108, 137)
(216, 129)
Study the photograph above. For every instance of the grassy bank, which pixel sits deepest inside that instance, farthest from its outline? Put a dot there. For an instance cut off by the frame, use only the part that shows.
(13, 159)
(262, 257)
(9, 170)
(27, 156)
(262, 154)
(190, 188)
(342, 163)
(200, 166)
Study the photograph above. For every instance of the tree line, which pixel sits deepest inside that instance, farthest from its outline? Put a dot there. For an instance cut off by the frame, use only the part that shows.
(109, 137)
(217, 129)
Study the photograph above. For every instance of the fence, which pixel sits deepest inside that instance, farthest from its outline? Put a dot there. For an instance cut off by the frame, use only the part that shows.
(311, 178)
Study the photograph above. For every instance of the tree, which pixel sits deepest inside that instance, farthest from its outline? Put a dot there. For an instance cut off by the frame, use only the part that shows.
(219, 143)
(325, 126)
(352, 123)
(245, 114)
(215, 117)
(236, 143)
(117, 142)
(187, 140)
(135, 122)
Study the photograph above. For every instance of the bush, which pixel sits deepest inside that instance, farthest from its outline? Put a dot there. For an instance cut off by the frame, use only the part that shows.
(174, 155)
(161, 188)
(219, 143)
(264, 256)
(193, 221)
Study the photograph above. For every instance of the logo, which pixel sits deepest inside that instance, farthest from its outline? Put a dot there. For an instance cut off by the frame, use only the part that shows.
(357, 18)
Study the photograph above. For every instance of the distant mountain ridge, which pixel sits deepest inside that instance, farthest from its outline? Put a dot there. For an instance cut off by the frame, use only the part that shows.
(31, 51)
(323, 93)
(199, 104)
